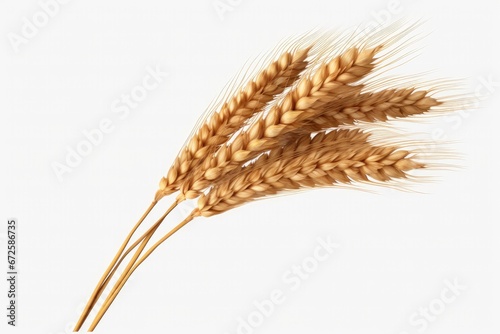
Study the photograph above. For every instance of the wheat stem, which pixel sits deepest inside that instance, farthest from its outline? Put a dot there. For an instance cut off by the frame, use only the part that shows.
(130, 269)
(146, 234)
(131, 263)
(97, 291)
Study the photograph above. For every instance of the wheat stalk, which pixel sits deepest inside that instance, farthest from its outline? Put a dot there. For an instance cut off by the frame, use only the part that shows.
(282, 131)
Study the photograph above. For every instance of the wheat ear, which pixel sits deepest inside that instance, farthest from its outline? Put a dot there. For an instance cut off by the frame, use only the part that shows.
(372, 107)
(328, 83)
(340, 156)
(269, 83)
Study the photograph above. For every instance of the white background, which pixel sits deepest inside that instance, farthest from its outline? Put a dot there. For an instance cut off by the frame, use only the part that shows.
(396, 250)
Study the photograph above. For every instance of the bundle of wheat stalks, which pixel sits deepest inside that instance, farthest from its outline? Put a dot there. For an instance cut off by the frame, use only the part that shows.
(299, 122)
